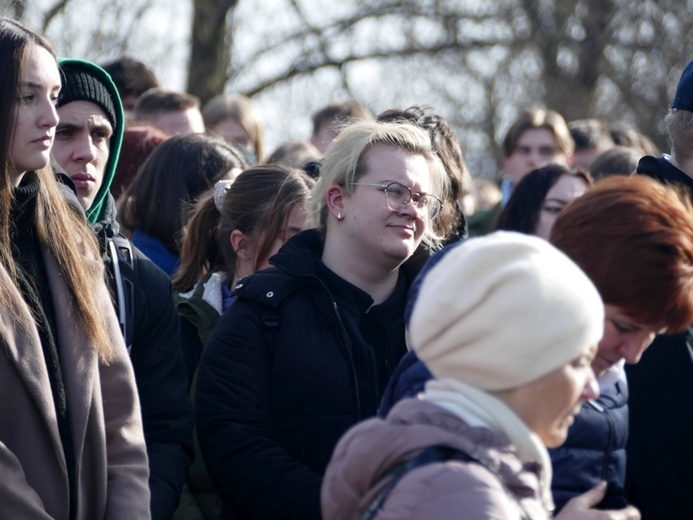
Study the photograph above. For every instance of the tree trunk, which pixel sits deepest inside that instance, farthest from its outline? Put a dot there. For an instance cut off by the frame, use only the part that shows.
(210, 49)
(562, 83)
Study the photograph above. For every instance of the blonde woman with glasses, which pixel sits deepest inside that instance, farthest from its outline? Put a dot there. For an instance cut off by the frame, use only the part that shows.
(307, 348)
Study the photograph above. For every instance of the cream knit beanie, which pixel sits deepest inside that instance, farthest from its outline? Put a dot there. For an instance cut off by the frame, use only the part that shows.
(503, 310)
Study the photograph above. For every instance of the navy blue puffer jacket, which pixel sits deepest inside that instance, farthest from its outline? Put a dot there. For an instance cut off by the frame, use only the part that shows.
(594, 450)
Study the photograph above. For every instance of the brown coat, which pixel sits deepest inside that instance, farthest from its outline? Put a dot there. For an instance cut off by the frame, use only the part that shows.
(110, 459)
(437, 491)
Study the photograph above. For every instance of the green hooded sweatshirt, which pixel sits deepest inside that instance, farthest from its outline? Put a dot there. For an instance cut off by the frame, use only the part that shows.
(68, 65)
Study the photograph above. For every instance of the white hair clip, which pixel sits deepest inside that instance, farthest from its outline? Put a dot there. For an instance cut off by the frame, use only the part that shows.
(220, 189)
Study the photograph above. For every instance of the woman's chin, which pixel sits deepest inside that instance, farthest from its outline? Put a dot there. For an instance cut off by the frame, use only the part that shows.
(556, 437)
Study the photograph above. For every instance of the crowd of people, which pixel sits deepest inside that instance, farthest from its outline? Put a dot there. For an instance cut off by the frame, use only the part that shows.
(349, 327)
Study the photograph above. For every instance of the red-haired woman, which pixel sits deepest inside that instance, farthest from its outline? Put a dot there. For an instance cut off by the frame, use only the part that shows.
(633, 237)
(634, 240)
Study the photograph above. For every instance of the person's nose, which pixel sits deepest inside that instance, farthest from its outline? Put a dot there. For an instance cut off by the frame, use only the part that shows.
(632, 348)
(534, 159)
(591, 388)
(48, 117)
(84, 150)
(412, 209)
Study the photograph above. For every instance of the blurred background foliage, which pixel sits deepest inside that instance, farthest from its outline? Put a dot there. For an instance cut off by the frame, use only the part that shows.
(476, 62)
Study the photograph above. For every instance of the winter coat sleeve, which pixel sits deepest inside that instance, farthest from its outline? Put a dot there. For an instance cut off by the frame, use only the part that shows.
(660, 454)
(253, 471)
(127, 464)
(162, 383)
(16, 495)
(594, 450)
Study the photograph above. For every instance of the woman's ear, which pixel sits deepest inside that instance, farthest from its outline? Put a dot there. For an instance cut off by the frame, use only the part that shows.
(240, 244)
(335, 200)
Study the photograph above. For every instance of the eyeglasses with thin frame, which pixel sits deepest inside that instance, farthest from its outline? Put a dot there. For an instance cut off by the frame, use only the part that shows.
(397, 196)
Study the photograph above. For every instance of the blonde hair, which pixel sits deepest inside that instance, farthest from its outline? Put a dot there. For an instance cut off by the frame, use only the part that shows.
(679, 125)
(345, 163)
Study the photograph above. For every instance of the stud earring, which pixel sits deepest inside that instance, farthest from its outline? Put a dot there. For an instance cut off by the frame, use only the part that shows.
(340, 217)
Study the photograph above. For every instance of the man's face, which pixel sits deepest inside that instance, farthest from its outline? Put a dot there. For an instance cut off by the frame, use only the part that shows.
(232, 132)
(82, 147)
(129, 103)
(324, 137)
(536, 147)
(179, 122)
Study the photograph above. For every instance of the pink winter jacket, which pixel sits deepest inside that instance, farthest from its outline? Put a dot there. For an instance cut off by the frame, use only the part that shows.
(442, 490)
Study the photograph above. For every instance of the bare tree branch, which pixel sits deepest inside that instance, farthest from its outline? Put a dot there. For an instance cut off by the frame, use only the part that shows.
(18, 8)
(481, 61)
(52, 12)
(375, 14)
(304, 68)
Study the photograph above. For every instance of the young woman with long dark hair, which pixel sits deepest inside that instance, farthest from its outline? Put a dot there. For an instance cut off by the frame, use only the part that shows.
(157, 204)
(539, 198)
(71, 441)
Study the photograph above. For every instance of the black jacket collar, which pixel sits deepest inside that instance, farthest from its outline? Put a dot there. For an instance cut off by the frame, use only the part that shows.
(661, 169)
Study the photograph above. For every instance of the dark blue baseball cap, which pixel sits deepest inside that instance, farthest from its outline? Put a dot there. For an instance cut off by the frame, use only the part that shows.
(683, 100)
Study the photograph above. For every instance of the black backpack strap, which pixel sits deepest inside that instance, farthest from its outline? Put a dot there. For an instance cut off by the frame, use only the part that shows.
(124, 273)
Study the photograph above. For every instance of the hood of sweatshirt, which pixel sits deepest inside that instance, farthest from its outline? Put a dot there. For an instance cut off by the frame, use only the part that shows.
(95, 213)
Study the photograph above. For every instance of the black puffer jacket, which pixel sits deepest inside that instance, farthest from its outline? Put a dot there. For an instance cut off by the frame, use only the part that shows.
(155, 343)
(660, 452)
(661, 169)
(299, 358)
(160, 374)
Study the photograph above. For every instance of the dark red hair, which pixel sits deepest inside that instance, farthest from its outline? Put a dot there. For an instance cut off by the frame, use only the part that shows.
(633, 237)
(138, 143)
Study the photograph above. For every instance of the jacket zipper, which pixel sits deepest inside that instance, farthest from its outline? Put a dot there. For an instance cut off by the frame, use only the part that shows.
(607, 453)
(610, 440)
(352, 365)
(343, 335)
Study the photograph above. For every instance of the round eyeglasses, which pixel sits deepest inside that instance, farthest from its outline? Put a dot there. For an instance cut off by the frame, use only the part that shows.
(397, 196)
